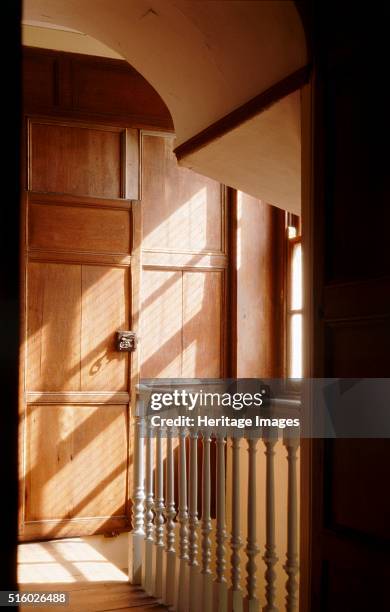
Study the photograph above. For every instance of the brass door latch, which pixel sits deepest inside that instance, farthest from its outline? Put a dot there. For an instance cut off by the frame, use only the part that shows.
(126, 341)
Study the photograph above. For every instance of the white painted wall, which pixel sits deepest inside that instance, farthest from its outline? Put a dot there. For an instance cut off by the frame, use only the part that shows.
(65, 40)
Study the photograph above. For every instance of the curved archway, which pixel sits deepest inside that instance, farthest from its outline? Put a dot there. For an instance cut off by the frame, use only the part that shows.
(210, 61)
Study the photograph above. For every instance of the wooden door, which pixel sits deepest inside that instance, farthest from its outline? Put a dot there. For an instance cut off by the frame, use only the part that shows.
(348, 497)
(77, 272)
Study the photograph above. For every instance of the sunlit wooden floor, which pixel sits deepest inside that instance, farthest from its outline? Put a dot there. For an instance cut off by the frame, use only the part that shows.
(94, 583)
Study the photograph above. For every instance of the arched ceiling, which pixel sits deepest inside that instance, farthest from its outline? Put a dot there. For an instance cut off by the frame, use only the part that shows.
(205, 59)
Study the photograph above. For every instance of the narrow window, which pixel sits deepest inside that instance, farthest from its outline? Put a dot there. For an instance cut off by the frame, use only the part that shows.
(294, 298)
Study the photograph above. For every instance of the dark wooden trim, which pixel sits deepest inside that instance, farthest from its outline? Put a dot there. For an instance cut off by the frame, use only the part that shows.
(80, 201)
(231, 332)
(248, 110)
(65, 102)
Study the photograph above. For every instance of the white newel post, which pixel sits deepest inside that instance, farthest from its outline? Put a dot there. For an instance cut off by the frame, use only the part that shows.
(136, 536)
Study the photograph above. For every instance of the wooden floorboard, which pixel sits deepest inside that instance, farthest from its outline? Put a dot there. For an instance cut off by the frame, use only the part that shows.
(101, 597)
(93, 582)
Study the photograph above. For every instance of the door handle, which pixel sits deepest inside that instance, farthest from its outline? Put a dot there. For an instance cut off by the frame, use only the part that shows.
(126, 341)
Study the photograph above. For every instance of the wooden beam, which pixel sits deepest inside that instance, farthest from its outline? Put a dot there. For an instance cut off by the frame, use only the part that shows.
(256, 105)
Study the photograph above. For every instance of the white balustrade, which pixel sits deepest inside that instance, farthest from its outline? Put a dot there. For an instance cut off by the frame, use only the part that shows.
(221, 584)
(137, 535)
(170, 515)
(207, 594)
(235, 540)
(182, 574)
(252, 549)
(194, 595)
(147, 565)
(159, 519)
(291, 566)
(167, 565)
(270, 557)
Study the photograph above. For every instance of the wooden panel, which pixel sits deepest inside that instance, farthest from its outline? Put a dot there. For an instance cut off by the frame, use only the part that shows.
(53, 324)
(67, 199)
(343, 578)
(76, 459)
(79, 229)
(202, 305)
(182, 261)
(75, 160)
(161, 324)
(115, 88)
(359, 461)
(364, 297)
(105, 309)
(39, 80)
(357, 252)
(77, 397)
(346, 493)
(106, 259)
(182, 210)
(343, 342)
(86, 87)
(260, 257)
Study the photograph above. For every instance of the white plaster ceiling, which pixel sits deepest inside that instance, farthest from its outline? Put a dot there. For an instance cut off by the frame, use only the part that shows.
(205, 59)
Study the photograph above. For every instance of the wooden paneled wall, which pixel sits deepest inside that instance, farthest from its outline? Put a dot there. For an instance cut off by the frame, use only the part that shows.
(76, 293)
(260, 261)
(80, 177)
(90, 88)
(184, 267)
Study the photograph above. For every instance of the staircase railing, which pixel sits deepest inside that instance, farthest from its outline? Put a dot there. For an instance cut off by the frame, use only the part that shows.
(192, 554)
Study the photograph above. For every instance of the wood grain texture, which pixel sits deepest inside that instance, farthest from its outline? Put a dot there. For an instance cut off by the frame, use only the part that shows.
(79, 229)
(75, 160)
(182, 210)
(183, 261)
(75, 431)
(73, 314)
(184, 267)
(38, 77)
(76, 257)
(161, 330)
(98, 597)
(67, 199)
(77, 397)
(105, 309)
(259, 288)
(182, 318)
(53, 327)
(76, 460)
(85, 87)
(202, 301)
